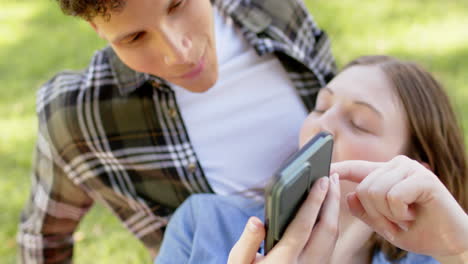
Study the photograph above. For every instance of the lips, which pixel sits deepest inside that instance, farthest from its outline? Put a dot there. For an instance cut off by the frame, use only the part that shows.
(197, 69)
(194, 72)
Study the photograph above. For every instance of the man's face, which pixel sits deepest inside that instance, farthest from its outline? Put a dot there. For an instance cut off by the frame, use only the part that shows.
(171, 39)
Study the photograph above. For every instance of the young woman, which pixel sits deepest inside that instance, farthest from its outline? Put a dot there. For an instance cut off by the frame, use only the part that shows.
(378, 109)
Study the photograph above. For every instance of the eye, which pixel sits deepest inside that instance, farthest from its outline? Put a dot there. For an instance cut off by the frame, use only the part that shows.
(318, 111)
(133, 38)
(136, 37)
(175, 6)
(359, 127)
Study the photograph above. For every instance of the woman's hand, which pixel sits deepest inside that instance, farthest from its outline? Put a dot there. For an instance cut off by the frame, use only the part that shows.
(304, 241)
(407, 204)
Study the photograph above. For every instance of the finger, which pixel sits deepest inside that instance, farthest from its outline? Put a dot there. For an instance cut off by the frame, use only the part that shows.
(421, 177)
(298, 232)
(354, 170)
(373, 190)
(368, 196)
(380, 185)
(416, 189)
(385, 228)
(325, 233)
(245, 249)
(259, 258)
(372, 194)
(354, 205)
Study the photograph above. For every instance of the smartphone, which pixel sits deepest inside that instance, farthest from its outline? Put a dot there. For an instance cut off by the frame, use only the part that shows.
(291, 184)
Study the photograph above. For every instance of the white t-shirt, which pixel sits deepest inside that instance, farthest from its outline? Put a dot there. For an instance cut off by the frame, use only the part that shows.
(248, 123)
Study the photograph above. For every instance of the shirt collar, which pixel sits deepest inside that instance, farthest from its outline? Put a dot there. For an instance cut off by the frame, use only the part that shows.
(245, 13)
(128, 80)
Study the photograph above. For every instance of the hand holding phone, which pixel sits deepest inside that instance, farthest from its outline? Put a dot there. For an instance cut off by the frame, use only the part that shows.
(291, 184)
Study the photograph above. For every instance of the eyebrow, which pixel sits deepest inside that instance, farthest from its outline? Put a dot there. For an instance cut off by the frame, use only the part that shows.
(328, 89)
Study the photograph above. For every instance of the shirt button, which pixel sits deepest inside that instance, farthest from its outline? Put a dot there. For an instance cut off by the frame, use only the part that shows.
(192, 167)
(172, 112)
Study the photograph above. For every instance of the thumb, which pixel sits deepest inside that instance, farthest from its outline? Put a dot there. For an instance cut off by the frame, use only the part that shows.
(355, 206)
(245, 249)
(354, 170)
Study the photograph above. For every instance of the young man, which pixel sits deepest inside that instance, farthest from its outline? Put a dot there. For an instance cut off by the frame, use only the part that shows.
(191, 96)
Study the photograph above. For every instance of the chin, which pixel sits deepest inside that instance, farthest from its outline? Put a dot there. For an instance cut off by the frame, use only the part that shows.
(203, 85)
(198, 89)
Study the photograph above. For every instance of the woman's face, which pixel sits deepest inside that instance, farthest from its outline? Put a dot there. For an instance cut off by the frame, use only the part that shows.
(364, 114)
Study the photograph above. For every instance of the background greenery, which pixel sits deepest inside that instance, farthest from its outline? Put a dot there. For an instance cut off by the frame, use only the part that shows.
(36, 41)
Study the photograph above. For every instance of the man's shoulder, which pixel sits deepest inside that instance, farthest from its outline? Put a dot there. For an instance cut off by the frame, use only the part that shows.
(286, 27)
(271, 11)
(71, 98)
(65, 87)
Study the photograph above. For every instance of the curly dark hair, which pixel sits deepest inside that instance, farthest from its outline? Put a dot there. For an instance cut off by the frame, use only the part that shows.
(88, 9)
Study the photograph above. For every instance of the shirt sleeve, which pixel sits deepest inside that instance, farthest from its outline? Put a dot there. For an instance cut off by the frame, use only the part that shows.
(205, 228)
(55, 207)
(411, 258)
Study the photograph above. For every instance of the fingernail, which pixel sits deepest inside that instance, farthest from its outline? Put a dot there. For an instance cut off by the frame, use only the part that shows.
(324, 183)
(335, 178)
(388, 235)
(254, 225)
(403, 226)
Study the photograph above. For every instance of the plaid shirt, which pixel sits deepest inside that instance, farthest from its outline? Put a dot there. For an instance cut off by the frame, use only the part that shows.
(113, 135)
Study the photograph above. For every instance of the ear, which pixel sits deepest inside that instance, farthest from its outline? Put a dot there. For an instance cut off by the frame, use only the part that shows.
(96, 29)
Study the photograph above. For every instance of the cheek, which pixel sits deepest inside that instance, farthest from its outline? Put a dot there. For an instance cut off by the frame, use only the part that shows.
(199, 17)
(141, 60)
(363, 147)
(351, 151)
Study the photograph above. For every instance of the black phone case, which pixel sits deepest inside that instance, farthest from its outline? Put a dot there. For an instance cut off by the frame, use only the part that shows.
(292, 182)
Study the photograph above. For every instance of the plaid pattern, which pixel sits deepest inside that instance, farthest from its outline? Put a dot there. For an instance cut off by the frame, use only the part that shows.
(113, 135)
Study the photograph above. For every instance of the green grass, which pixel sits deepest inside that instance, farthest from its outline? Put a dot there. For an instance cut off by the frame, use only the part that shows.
(36, 41)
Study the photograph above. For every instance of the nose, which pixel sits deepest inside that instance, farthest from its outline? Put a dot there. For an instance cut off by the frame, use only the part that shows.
(316, 123)
(329, 122)
(176, 48)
